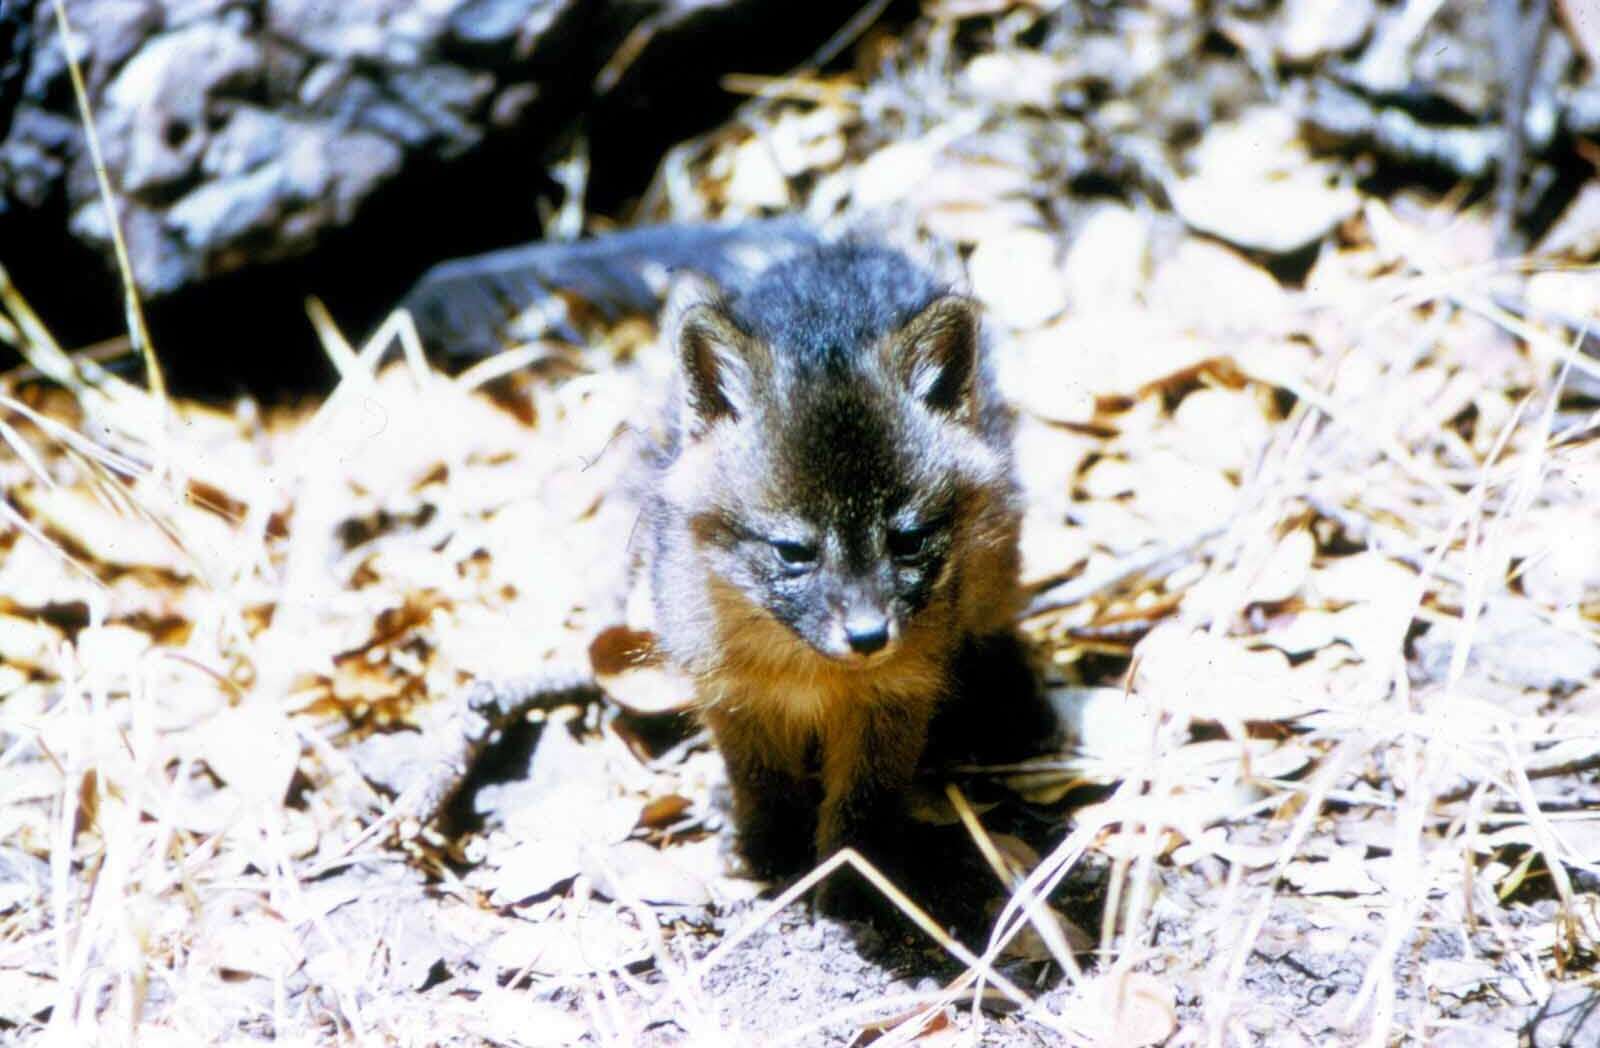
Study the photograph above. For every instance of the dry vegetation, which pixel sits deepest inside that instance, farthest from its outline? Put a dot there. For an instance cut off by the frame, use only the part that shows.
(1319, 573)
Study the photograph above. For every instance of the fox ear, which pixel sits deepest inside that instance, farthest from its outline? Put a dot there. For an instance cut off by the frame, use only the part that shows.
(936, 355)
(720, 364)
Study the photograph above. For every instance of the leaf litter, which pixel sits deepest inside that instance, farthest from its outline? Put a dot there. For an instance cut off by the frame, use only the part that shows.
(341, 723)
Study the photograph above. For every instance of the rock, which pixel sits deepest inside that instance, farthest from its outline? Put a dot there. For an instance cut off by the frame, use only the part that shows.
(36, 163)
(349, 30)
(636, 870)
(152, 253)
(239, 132)
(1206, 286)
(490, 22)
(159, 110)
(117, 31)
(230, 208)
(251, 138)
(446, 98)
(319, 178)
(186, 12)
(357, 164)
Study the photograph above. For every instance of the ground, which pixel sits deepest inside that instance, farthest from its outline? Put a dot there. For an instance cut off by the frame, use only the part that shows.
(335, 723)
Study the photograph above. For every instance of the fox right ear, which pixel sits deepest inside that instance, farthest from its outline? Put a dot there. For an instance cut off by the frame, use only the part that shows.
(720, 363)
(937, 355)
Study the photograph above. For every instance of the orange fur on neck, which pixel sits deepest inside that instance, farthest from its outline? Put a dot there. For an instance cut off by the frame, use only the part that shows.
(801, 695)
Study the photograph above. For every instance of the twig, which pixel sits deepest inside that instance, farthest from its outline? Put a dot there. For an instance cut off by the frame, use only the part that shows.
(1517, 48)
(486, 708)
(1157, 560)
(1532, 771)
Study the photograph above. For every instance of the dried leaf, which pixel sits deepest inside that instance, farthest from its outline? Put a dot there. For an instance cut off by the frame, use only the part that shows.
(1106, 264)
(597, 939)
(1014, 78)
(1344, 872)
(28, 643)
(532, 868)
(1254, 186)
(513, 1017)
(25, 998)
(636, 870)
(664, 811)
(1017, 275)
(636, 675)
(115, 539)
(253, 748)
(1141, 1007)
(1309, 29)
(1514, 644)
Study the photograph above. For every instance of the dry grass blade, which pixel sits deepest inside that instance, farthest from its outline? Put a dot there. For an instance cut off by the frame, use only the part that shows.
(917, 915)
(25, 453)
(980, 837)
(10, 334)
(33, 339)
(117, 462)
(1043, 922)
(137, 329)
(26, 526)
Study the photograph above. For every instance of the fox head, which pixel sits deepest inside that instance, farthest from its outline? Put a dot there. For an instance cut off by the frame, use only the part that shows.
(841, 467)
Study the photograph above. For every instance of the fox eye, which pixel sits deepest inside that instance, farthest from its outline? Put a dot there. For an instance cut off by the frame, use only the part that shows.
(909, 543)
(795, 556)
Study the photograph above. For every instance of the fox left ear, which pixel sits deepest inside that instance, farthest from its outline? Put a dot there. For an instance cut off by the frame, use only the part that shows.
(936, 355)
(721, 366)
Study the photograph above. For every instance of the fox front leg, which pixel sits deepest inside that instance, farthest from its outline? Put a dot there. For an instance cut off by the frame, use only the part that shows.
(868, 764)
(774, 807)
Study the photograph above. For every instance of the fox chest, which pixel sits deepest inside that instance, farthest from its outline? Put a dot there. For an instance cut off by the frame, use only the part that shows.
(794, 711)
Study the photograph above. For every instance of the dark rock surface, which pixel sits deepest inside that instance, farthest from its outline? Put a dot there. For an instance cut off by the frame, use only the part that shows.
(343, 136)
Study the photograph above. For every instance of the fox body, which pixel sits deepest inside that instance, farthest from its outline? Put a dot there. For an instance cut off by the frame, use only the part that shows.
(833, 525)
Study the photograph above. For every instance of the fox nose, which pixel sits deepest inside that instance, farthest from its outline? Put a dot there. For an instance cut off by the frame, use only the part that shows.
(867, 633)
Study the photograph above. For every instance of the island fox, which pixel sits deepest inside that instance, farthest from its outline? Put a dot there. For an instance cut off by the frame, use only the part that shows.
(831, 521)
(832, 526)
